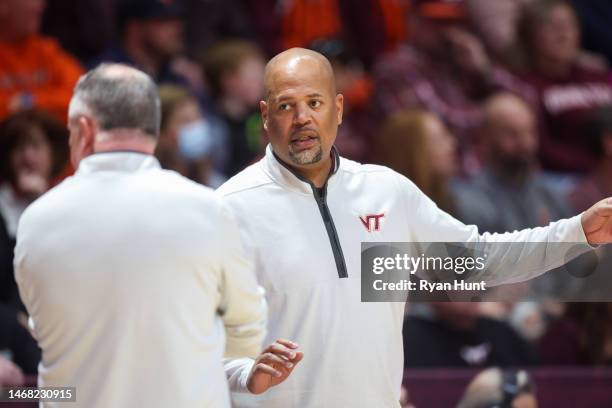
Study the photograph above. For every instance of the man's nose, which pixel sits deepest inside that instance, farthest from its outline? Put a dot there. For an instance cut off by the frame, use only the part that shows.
(301, 116)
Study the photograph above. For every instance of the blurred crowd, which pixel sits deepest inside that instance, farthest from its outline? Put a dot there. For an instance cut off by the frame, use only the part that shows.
(500, 111)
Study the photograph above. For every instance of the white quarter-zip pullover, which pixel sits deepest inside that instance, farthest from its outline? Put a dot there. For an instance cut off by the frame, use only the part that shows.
(136, 282)
(306, 245)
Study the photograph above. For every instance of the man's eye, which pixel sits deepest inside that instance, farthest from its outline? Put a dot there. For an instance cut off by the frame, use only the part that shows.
(284, 106)
(315, 104)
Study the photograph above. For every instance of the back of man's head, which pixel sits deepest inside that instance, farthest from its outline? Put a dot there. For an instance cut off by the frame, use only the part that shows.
(118, 97)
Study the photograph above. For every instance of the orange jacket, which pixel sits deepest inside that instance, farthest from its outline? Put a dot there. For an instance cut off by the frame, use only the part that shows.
(306, 20)
(39, 67)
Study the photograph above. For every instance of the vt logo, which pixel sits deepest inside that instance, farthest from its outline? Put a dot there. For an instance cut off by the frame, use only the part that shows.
(372, 221)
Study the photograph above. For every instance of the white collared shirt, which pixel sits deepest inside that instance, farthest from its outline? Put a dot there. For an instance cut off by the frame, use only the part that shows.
(136, 284)
(353, 351)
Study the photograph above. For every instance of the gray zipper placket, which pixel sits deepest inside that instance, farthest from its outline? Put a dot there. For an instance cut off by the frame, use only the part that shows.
(328, 221)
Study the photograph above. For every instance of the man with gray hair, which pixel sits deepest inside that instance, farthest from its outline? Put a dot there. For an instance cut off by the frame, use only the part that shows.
(134, 276)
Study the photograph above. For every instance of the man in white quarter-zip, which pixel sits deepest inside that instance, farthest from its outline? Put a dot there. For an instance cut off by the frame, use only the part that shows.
(134, 277)
(303, 212)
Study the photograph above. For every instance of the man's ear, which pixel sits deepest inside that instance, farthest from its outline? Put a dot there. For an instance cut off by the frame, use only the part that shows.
(263, 108)
(339, 107)
(87, 131)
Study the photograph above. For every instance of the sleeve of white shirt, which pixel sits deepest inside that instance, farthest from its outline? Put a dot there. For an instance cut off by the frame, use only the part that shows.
(533, 251)
(242, 307)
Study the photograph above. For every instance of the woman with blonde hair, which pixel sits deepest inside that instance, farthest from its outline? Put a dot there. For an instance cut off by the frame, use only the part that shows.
(417, 144)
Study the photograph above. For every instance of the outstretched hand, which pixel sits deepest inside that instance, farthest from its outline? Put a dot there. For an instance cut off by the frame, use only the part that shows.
(273, 366)
(597, 222)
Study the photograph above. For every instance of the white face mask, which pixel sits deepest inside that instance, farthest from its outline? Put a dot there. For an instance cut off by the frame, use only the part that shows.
(195, 140)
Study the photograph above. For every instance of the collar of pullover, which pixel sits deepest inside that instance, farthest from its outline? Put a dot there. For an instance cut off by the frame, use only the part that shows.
(117, 161)
(281, 173)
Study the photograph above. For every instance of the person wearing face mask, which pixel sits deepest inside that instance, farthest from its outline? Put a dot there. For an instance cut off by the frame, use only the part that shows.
(510, 192)
(189, 143)
(33, 150)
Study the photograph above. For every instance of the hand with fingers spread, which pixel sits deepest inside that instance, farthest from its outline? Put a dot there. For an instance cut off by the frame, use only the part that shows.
(597, 222)
(274, 365)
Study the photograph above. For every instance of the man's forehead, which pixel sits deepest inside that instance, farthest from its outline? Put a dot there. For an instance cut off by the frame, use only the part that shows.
(294, 88)
(292, 82)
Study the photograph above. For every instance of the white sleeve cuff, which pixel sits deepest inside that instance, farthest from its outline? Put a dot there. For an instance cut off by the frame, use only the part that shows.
(237, 371)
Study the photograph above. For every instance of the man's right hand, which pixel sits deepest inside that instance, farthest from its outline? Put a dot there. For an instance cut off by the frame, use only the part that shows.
(273, 366)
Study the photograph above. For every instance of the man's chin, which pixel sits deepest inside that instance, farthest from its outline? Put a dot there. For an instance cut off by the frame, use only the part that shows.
(307, 157)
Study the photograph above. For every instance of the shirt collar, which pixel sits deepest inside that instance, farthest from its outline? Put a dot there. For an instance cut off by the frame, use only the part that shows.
(281, 173)
(117, 161)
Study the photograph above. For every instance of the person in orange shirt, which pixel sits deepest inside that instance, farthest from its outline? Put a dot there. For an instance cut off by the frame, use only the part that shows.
(35, 71)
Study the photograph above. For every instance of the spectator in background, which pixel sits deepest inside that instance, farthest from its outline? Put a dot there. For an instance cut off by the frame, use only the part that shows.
(151, 39)
(368, 27)
(445, 69)
(188, 142)
(503, 389)
(84, 28)
(510, 192)
(35, 71)
(417, 145)
(586, 333)
(235, 70)
(567, 91)
(33, 151)
(495, 23)
(210, 21)
(455, 334)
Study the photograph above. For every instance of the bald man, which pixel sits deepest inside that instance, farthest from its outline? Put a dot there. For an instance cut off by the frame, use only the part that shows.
(303, 212)
(510, 192)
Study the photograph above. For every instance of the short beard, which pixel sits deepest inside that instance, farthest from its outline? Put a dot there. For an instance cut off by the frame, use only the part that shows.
(516, 168)
(307, 156)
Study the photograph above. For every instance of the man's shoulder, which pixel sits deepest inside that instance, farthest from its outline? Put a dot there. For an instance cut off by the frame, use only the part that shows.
(373, 173)
(250, 178)
(354, 167)
(44, 206)
(179, 182)
(173, 190)
(162, 184)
